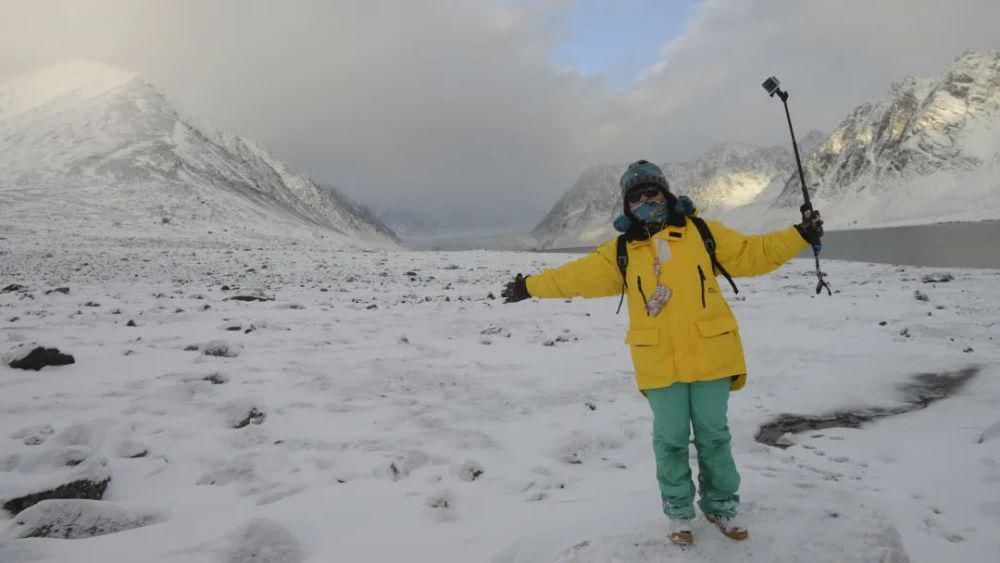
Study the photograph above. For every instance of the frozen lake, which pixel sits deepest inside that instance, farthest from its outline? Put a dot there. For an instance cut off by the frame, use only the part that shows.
(951, 245)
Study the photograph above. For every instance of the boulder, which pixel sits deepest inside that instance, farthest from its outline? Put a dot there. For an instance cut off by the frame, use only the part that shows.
(69, 472)
(76, 518)
(31, 356)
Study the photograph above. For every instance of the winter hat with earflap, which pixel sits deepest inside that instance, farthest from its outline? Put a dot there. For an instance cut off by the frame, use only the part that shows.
(641, 173)
(644, 173)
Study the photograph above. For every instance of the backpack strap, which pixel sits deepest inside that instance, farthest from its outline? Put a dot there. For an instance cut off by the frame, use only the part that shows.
(709, 240)
(621, 257)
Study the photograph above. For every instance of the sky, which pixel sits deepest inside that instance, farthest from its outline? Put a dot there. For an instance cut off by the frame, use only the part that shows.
(618, 40)
(489, 110)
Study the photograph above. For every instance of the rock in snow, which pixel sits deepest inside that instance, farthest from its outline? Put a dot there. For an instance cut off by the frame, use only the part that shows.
(26, 357)
(222, 349)
(263, 541)
(71, 472)
(75, 518)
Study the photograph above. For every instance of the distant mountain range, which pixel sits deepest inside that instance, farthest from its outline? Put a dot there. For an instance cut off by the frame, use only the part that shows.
(928, 152)
(727, 176)
(91, 150)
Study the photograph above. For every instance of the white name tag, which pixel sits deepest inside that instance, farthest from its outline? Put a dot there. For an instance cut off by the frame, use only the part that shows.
(663, 250)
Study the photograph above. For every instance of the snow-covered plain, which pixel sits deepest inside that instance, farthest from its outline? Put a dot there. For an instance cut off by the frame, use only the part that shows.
(392, 410)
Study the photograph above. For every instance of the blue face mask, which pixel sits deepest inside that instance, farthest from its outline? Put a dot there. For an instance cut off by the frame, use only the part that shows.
(651, 212)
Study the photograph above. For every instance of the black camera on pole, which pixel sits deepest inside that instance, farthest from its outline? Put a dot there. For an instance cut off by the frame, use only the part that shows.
(773, 87)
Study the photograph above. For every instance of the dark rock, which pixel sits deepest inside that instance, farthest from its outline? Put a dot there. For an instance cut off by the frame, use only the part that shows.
(191, 348)
(490, 295)
(130, 323)
(221, 349)
(372, 306)
(920, 296)
(40, 357)
(12, 288)
(75, 518)
(253, 417)
(940, 277)
(216, 378)
(63, 290)
(91, 304)
(225, 288)
(882, 323)
(250, 298)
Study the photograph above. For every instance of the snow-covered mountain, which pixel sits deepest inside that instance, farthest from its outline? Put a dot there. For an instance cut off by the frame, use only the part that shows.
(928, 152)
(727, 176)
(91, 150)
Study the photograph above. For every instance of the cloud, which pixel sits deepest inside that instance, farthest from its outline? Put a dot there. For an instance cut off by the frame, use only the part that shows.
(454, 104)
(831, 56)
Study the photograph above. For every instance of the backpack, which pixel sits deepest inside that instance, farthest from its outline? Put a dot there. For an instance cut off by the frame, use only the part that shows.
(706, 237)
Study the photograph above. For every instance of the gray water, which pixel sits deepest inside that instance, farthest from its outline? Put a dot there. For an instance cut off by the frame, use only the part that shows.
(954, 245)
(958, 245)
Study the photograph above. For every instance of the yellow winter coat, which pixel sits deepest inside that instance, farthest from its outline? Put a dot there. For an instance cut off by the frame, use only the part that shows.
(695, 337)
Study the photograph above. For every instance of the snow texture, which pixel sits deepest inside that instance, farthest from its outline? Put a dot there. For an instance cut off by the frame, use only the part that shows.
(263, 541)
(394, 434)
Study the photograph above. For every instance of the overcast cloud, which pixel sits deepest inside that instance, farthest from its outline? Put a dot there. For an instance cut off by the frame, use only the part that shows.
(454, 103)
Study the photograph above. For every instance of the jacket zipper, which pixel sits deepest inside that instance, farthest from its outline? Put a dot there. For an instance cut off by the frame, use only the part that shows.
(645, 304)
(701, 274)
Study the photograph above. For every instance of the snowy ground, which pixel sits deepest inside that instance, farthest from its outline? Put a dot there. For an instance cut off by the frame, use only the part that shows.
(399, 413)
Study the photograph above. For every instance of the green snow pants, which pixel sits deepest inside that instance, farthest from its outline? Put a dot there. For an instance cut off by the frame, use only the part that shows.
(675, 409)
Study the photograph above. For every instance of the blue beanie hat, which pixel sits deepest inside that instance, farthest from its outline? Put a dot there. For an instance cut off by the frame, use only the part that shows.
(642, 172)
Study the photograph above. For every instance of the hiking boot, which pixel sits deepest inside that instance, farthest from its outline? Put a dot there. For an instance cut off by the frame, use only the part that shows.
(679, 531)
(732, 527)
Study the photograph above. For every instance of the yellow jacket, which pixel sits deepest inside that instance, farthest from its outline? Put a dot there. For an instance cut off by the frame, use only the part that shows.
(695, 337)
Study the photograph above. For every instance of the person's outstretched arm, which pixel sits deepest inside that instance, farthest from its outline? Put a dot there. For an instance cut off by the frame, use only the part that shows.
(594, 275)
(754, 255)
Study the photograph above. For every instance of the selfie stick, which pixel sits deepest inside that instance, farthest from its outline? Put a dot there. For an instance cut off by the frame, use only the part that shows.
(772, 86)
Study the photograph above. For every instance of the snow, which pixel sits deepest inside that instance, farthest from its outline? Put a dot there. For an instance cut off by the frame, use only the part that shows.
(405, 415)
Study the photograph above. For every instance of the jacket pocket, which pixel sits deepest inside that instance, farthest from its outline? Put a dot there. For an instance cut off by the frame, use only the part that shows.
(649, 353)
(643, 337)
(719, 345)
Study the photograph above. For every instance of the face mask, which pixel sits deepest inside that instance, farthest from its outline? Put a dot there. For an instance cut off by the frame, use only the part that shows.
(651, 212)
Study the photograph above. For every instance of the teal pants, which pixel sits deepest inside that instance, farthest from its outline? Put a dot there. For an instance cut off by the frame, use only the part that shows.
(676, 409)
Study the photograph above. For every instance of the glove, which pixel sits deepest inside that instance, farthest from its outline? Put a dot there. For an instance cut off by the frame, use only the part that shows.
(516, 290)
(811, 227)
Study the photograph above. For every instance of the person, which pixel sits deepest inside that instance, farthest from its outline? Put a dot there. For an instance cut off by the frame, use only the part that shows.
(684, 339)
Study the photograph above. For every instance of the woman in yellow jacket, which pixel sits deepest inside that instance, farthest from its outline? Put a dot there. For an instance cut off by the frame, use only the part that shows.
(684, 339)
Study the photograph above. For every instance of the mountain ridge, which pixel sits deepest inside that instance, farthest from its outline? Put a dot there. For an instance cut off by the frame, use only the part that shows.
(103, 152)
